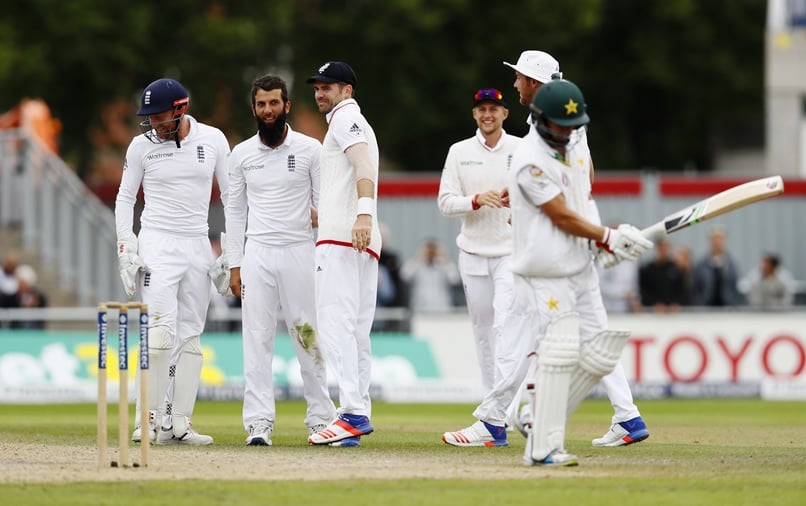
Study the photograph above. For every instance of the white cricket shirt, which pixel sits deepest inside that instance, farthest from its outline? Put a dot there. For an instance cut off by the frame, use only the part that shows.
(538, 175)
(472, 168)
(338, 197)
(271, 192)
(176, 181)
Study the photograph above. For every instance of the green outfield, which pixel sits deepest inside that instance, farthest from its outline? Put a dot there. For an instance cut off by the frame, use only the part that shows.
(734, 452)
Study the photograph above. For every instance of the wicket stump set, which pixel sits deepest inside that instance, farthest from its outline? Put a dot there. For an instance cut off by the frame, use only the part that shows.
(123, 368)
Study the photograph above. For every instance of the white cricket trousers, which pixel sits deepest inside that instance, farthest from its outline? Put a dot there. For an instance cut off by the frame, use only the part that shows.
(500, 329)
(176, 286)
(346, 284)
(583, 295)
(273, 278)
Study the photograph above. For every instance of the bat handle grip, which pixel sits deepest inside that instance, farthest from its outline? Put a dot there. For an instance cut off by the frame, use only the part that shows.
(655, 231)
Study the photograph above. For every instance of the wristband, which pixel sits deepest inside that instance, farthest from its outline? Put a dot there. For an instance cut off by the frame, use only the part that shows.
(365, 205)
(475, 202)
(606, 235)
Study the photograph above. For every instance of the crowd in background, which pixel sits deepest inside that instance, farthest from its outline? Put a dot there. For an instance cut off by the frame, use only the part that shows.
(672, 279)
(665, 282)
(668, 280)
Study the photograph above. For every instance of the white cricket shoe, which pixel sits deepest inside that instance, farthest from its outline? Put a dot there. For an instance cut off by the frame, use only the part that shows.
(137, 433)
(557, 458)
(478, 434)
(152, 429)
(176, 436)
(260, 433)
(350, 441)
(346, 426)
(316, 428)
(624, 433)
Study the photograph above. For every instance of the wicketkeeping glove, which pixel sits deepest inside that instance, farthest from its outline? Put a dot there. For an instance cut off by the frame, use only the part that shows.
(129, 263)
(219, 272)
(626, 242)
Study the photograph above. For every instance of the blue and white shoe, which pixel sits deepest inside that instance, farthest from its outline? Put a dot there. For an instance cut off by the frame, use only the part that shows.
(624, 433)
(349, 442)
(346, 426)
(478, 434)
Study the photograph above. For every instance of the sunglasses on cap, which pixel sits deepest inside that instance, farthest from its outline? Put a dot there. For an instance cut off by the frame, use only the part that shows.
(488, 94)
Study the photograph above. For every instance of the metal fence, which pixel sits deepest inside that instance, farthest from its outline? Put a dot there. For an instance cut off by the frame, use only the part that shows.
(59, 218)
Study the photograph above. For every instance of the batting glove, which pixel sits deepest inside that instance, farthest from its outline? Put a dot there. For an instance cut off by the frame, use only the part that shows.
(626, 242)
(606, 259)
(129, 263)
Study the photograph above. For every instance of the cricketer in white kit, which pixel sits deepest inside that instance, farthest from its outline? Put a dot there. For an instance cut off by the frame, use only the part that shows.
(472, 187)
(273, 186)
(347, 250)
(532, 70)
(174, 160)
(555, 279)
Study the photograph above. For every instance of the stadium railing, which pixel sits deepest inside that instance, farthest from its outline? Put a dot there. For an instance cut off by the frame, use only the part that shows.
(60, 219)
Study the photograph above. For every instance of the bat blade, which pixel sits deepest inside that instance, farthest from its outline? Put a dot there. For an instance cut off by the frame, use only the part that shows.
(717, 205)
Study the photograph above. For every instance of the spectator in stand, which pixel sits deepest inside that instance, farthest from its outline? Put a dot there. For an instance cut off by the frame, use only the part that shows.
(682, 257)
(391, 289)
(769, 286)
(715, 277)
(431, 276)
(387, 291)
(28, 296)
(8, 279)
(661, 281)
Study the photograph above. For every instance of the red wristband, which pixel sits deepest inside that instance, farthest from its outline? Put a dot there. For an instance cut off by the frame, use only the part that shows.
(476, 205)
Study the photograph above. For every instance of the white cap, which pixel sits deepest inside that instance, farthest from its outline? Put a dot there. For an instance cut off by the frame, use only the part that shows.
(537, 65)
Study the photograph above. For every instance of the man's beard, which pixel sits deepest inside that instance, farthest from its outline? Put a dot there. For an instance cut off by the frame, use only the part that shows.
(271, 135)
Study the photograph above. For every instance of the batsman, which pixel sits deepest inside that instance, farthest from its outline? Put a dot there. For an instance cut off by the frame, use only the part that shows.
(555, 280)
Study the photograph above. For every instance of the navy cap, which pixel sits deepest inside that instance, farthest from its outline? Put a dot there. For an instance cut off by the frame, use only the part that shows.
(334, 72)
(162, 95)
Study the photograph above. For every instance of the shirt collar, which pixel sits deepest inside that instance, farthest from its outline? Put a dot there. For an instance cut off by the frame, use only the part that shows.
(343, 103)
(482, 140)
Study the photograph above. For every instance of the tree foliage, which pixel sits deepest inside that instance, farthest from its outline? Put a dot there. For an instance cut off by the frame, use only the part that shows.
(667, 83)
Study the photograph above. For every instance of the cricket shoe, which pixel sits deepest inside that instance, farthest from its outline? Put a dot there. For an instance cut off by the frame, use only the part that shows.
(624, 433)
(319, 427)
(260, 433)
(557, 458)
(347, 442)
(167, 436)
(137, 434)
(346, 426)
(478, 434)
(152, 429)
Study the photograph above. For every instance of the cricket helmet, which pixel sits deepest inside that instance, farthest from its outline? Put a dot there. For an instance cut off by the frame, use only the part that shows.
(560, 102)
(160, 96)
(163, 95)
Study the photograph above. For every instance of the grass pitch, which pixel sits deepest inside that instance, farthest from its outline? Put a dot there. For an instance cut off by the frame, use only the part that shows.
(736, 452)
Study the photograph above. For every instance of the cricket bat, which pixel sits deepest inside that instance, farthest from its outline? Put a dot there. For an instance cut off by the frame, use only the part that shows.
(716, 205)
